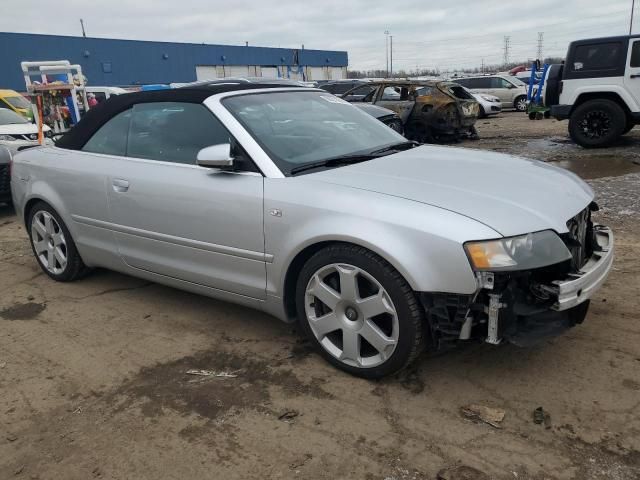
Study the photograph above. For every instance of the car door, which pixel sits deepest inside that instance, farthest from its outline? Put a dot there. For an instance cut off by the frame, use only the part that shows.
(396, 98)
(177, 219)
(632, 78)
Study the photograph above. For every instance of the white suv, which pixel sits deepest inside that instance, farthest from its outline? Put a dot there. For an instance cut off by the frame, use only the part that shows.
(598, 89)
(511, 91)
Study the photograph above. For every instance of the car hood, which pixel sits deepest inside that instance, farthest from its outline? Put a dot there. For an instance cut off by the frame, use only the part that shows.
(21, 129)
(374, 110)
(509, 194)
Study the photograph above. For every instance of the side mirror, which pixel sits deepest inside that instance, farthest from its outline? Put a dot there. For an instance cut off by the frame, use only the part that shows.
(215, 156)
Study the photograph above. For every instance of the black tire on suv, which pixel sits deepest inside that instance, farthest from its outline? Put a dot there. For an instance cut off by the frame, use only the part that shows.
(597, 123)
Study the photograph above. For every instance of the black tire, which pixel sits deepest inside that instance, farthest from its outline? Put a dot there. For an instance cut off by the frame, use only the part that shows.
(409, 312)
(532, 115)
(418, 132)
(628, 127)
(520, 103)
(75, 267)
(597, 123)
(397, 126)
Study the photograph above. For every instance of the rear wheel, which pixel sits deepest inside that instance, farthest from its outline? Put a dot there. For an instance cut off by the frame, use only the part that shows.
(418, 132)
(597, 123)
(360, 313)
(520, 103)
(52, 244)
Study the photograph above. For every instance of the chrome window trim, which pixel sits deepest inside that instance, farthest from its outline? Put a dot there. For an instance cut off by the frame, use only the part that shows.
(255, 151)
(149, 160)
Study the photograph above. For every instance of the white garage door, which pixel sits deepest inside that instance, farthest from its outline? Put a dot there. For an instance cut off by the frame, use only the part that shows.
(269, 72)
(236, 71)
(206, 72)
(337, 73)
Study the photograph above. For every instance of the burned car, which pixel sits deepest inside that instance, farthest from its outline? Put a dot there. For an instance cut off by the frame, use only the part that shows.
(431, 111)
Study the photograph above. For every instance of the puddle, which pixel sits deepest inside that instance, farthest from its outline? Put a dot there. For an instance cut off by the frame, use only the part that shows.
(621, 159)
(22, 311)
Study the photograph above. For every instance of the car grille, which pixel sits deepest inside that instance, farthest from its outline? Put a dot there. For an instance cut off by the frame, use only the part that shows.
(5, 180)
(578, 239)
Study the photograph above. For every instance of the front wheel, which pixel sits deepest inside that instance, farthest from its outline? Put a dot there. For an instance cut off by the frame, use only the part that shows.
(520, 103)
(360, 313)
(597, 123)
(53, 246)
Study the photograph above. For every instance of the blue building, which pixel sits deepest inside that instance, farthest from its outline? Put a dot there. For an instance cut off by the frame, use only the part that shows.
(111, 62)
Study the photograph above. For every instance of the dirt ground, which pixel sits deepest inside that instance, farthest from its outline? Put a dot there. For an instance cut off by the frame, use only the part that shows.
(93, 380)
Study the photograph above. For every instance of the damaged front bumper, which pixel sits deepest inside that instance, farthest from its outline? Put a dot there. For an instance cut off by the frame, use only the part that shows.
(580, 286)
(522, 307)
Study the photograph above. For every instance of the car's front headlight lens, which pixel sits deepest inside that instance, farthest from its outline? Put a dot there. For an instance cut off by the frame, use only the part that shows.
(488, 98)
(523, 252)
(7, 138)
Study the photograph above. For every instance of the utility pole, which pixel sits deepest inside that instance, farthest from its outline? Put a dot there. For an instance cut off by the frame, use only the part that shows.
(482, 69)
(540, 41)
(633, 6)
(84, 34)
(386, 52)
(391, 56)
(507, 44)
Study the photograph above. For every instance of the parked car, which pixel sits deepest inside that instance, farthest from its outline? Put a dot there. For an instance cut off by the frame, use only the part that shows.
(17, 131)
(12, 100)
(597, 89)
(511, 91)
(292, 201)
(5, 175)
(103, 93)
(489, 104)
(430, 110)
(338, 88)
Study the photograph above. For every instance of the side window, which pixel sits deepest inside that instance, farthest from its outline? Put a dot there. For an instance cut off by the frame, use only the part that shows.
(391, 93)
(173, 132)
(111, 138)
(359, 93)
(100, 96)
(483, 82)
(635, 54)
(424, 91)
(601, 56)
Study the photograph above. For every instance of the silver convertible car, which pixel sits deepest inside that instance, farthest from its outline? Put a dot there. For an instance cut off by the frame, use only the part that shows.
(294, 202)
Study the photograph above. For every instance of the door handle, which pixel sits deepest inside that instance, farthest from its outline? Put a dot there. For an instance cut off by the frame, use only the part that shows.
(120, 185)
(635, 75)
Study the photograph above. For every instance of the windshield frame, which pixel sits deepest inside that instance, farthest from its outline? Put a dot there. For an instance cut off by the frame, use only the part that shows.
(285, 167)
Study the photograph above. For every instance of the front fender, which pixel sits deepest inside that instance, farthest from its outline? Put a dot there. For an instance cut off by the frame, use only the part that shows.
(424, 243)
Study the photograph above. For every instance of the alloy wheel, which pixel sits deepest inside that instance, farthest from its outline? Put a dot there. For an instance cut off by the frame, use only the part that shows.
(49, 242)
(521, 104)
(351, 315)
(595, 124)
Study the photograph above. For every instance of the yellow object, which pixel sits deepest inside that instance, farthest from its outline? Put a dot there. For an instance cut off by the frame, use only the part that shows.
(12, 100)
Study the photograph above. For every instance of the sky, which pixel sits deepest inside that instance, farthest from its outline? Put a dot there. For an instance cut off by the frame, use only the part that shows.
(447, 35)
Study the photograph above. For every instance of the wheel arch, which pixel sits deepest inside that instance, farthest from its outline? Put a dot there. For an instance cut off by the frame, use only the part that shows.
(613, 96)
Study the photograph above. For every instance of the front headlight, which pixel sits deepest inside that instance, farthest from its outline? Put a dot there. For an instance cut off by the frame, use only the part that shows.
(523, 252)
(488, 98)
(7, 138)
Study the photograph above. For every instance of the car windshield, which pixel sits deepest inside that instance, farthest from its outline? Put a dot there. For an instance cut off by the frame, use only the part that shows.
(299, 128)
(17, 101)
(9, 117)
(517, 82)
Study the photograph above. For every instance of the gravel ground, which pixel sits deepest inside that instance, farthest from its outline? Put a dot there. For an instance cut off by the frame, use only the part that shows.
(94, 382)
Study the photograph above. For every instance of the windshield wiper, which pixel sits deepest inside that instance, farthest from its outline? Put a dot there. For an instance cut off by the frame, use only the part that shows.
(335, 162)
(397, 146)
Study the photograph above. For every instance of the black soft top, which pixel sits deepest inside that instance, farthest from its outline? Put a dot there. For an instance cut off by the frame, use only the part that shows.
(97, 116)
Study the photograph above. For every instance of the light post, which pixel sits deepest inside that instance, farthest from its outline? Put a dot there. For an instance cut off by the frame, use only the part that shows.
(386, 52)
(390, 56)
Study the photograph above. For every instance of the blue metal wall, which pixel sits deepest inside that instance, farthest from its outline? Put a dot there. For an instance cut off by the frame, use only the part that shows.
(132, 62)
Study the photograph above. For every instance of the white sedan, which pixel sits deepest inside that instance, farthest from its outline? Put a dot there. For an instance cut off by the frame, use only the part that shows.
(17, 131)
